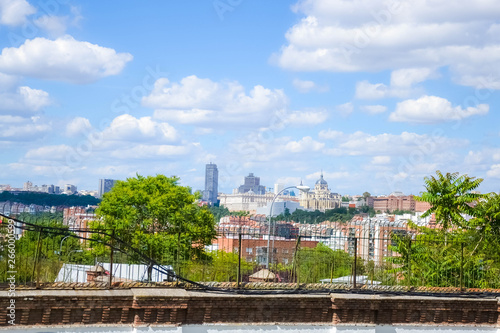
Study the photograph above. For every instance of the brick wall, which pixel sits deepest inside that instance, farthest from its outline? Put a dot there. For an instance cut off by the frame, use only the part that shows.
(175, 306)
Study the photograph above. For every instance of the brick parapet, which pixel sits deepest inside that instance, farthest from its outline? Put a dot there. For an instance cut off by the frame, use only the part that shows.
(158, 306)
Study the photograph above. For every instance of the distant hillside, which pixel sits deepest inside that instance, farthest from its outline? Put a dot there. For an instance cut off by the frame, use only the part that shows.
(45, 199)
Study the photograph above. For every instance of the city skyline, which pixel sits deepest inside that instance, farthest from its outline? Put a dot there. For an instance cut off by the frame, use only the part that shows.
(376, 94)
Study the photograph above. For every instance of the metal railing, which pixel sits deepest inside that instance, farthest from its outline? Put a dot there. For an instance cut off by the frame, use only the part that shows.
(376, 256)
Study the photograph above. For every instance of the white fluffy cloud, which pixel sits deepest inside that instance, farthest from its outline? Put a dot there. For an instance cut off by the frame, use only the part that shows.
(402, 84)
(306, 144)
(56, 152)
(373, 109)
(54, 25)
(63, 59)
(330, 134)
(23, 100)
(433, 109)
(18, 129)
(305, 86)
(77, 126)
(129, 128)
(307, 117)
(381, 160)
(151, 152)
(494, 171)
(345, 109)
(14, 12)
(204, 102)
(373, 35)
(364, 144)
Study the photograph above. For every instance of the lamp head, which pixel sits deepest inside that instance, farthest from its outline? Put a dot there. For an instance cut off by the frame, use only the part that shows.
(303, 188)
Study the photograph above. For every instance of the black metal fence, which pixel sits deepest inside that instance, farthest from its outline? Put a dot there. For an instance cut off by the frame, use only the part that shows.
(356, 255)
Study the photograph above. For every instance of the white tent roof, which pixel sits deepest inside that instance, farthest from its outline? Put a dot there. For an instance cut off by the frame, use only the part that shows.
(78, 273)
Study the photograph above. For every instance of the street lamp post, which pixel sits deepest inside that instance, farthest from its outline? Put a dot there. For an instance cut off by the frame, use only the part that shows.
(301, 188)
(60, 247)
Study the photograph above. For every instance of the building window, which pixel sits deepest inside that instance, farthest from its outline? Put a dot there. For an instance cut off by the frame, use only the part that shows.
(285, 251)
(249, 250)
(285, 261)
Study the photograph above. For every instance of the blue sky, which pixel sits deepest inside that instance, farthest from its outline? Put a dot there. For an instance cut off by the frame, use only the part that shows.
(377, 94)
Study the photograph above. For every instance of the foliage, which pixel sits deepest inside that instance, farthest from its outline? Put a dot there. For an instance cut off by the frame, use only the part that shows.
(42, 253)
(219, 212)
(45, 199)
(218, 266)
(322, 262)
(433, 260)
(450, 196)
(462, 252)
(157, 217)
(341, 214)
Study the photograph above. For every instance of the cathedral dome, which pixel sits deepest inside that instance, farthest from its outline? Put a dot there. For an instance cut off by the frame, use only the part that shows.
(321, 181)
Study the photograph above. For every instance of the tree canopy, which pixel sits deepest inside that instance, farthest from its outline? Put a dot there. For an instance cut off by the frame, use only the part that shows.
(451, 196)
(158, 217)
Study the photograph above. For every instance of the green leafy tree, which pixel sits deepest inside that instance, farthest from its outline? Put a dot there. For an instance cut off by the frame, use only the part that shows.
(158, 217)
(41, 252)
(218, 266)
(219, 212)
(450, 196)
(322, 262)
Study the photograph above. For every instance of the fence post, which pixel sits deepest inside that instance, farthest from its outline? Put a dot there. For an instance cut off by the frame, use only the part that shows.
(409, 262)
(36, 265)
(296, 260)
(110, 282)
(355, 268)
(462, 267)
(239, 262)
(177, 259)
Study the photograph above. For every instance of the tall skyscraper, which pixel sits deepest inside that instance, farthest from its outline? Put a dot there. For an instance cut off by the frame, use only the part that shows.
(211, 183)
(105, 185)
(252, 183)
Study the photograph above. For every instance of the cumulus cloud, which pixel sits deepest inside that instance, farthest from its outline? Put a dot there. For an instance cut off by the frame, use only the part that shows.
(373, 109)
(77, 126)
(372, 35)
(129, 128)
(204, 102)
(20, 129)
(23, 100)
(402, 84)
(14, 12)
(330, 134)
(151, 152)
(306, 144)
(55, 152)
(63, 59)
(494, 171)
(304, 86)
(381, 160)
(433, 109)
(364, 144)
(307, 117)
(345, 109)
(54, 25)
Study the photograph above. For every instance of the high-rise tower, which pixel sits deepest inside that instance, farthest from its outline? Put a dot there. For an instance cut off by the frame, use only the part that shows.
(211, 183)
(105, 185)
